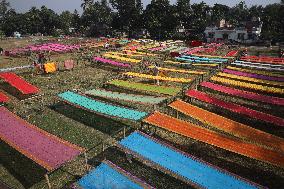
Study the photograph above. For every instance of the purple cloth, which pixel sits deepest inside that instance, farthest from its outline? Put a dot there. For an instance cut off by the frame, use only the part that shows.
(257, 76)
(45, 149)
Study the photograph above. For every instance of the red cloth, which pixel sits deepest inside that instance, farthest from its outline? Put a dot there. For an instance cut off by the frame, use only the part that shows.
(3, 98)
(19, 83)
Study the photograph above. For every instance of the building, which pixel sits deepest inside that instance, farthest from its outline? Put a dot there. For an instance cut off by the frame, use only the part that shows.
(248, 32)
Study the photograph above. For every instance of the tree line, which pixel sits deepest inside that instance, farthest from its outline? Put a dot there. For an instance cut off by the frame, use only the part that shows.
(159, 18)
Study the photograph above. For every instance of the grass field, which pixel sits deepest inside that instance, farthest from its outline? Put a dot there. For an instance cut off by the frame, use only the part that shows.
(89, 130)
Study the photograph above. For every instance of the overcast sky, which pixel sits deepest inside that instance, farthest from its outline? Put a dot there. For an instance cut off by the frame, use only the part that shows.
(71, 5)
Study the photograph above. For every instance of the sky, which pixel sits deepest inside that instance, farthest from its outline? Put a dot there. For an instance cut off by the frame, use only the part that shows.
(61, 5)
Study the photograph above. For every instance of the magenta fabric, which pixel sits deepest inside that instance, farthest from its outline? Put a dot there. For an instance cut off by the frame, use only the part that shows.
(45, 149)
(235, 107)
(244, 94)
(114, 63)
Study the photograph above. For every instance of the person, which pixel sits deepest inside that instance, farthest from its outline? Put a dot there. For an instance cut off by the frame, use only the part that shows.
(156, 72)
(1, 51)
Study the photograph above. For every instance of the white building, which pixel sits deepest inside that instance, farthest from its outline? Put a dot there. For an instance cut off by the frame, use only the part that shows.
(17, 34)
(249, 33)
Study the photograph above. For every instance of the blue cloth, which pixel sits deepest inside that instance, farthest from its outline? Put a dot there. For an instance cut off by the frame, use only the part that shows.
(105, 177)
(102, 107)
(191, 169)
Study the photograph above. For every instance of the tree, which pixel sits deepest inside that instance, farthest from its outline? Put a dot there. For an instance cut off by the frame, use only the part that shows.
(159, 19)
(66, 20)
(49, 21)
(273, 22)
(13, 22)
(33, 20)
(128, 17)
(97, 18)
(239, 13)
(219, 12)
(86, 4)
(183, 12)
(201, 16)
(4, 7)
(76, 20)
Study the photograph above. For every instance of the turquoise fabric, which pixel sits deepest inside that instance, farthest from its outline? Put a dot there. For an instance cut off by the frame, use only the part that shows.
(101, 107)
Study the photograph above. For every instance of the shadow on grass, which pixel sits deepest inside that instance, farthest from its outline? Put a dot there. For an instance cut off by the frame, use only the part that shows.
(13, 91)
(152, 176)
(98, 122)
(22, 168)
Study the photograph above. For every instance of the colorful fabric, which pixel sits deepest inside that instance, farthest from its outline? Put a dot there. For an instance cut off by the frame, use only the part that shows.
(163, 90)
(146, 76)
(101, 107)
(243, 94)
(111, 62)
(258, 67)
(257, 76)
(235, 108)
(3, 98)
(108, 175)
(126, 96)
(49, 67)
(254, 80)
(69, 64)
(186, 166)
(20, 84)
(247, 85)
(259, 72)
(216, 139)
(179, 71)
(43, 148)
(229, 126)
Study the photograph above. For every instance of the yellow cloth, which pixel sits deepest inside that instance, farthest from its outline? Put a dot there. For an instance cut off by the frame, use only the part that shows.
(247, 85)
(147, 76)
(250, 79)
(210, 65)
(178, 70)
(49, 67)
(121, 58)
